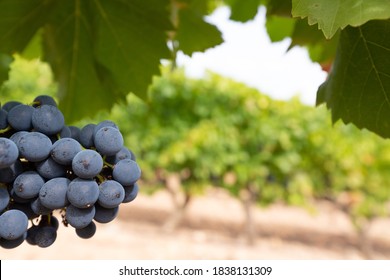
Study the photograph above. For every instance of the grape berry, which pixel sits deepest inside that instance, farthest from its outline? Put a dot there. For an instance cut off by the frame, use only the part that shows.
(47, 167)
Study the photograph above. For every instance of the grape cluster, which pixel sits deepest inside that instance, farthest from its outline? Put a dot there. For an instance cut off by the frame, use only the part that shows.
(47, 166)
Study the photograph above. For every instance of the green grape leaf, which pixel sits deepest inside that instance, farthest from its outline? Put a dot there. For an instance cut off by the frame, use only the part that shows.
(304, 34)
(243, 10)
(321, 50)
(279, 7)
(34, 48)
(5, 61)
(194, 34)
(20, 20)
(279, 28)
(131, 40)
(337, 14)
(68, 48)
(358, 87)
(102, 50)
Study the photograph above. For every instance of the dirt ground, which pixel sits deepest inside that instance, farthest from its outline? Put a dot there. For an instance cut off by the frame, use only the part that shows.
(212, 229)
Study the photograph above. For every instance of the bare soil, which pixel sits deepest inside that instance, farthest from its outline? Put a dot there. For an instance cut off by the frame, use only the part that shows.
(213, 229)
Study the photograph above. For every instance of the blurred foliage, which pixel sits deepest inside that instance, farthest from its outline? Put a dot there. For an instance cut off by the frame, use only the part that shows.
(217, 132)
(27, 79)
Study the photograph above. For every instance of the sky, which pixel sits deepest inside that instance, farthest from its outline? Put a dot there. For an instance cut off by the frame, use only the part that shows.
(248, 56)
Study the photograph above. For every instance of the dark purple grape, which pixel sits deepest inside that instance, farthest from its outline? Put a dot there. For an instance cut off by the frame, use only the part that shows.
(87, 164)
(8, 152)
(34, 146)
(86, 232)
(64, 150)
(111, 194)
(48, 119)
(53, 194)
(131, 193)
(105, 215)
(44, 100)
(126, 172)
(86, 136)
(83, 193)
(79, 218)
(20, 117)
(13, 224)
(108, 141)
(28, 184)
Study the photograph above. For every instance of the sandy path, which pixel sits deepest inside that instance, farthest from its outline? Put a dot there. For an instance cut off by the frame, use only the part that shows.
(212, 230)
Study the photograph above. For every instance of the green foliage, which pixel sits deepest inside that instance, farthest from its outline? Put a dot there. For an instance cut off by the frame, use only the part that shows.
(99, 50)
(97, 53)
(279, 28)
(5, 61)
(27, 80)
(334, 15)
(281, 151)
(301, 34)
(358, 88)
(20, 20)
(188, 17)
(243, 10)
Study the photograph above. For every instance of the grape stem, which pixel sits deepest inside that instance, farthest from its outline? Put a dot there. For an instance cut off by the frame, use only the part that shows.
(8, 128)
(100, 178)
(107, 164)
(35, 103)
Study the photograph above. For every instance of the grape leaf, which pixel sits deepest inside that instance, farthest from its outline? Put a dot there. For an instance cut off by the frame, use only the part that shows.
(243, 10)
(358, 87)
(20, 20)
(5, 61)
(102, 50)
(194, 34)
(332, 15)
(279, 28)
(279, 7)
(34, 48)
(68, 48)
(99, 50)
(321, 50)
(131, 40)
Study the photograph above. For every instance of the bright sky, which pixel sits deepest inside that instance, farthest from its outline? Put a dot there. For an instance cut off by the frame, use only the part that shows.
(249, 56)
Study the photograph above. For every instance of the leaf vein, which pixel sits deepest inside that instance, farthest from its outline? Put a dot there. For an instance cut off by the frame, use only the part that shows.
(386, 98)
(378, 45)
(112, 30)
(23, 20)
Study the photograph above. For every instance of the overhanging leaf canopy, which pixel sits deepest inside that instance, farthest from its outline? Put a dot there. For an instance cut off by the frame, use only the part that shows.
(100, 50)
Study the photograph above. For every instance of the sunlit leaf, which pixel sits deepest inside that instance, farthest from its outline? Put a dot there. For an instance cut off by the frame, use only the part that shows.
(337, 14)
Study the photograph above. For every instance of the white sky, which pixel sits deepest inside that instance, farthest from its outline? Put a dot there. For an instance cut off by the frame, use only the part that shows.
(249, 56)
